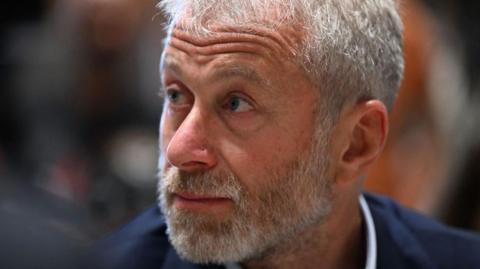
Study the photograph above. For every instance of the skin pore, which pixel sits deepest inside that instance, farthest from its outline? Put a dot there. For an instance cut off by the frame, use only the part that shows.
(238, 100)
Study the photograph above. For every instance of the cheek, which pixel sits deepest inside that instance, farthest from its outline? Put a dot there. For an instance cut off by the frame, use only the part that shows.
(254, 161)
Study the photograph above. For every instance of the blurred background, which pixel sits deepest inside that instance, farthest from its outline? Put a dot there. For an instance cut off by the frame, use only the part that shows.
(79, 116)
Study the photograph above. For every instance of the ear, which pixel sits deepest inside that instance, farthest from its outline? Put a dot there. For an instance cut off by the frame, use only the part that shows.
(363, 130)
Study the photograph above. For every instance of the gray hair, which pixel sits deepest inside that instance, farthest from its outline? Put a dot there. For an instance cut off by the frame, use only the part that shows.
(352, 49)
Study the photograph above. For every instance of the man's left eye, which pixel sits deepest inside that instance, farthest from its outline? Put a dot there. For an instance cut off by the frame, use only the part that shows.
(238, 104)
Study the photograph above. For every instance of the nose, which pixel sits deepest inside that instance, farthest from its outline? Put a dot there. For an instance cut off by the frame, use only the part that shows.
(189, 149)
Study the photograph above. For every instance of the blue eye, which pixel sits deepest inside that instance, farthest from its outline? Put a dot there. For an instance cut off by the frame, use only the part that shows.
(237, 104)
(175, 97)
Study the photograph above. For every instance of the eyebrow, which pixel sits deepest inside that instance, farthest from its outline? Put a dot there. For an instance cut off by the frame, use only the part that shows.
(224, 72)
(240, 71)
(169, 62)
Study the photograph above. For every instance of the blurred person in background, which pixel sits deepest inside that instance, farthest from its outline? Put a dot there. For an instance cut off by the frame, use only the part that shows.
(38, 230)
(85, 107)
(77, 152)
(273, 114)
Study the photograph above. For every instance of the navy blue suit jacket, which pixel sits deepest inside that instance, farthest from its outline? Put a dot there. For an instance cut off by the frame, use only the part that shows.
(405, 240)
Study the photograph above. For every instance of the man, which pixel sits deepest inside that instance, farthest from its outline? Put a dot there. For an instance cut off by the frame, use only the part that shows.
(274, 111)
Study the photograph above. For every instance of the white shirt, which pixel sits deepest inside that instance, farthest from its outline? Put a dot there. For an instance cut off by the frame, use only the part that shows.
(371, 237)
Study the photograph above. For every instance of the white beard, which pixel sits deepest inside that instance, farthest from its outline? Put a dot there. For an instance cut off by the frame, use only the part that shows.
(292, 198)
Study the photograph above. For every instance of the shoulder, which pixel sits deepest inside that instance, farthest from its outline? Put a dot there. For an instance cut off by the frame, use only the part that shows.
(420, 241)
(142, 243)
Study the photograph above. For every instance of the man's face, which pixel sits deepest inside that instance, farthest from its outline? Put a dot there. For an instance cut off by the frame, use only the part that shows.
(245, 166)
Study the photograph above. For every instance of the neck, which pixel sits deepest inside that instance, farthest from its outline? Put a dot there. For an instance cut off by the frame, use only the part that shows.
(336, 243)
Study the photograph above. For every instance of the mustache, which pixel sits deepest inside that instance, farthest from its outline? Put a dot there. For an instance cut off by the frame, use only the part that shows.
(220, 184)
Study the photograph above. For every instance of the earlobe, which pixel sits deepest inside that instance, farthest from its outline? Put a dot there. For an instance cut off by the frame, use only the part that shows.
(367, 128)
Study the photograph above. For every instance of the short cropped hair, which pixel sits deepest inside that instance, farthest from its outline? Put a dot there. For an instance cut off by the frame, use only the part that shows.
(352, 49)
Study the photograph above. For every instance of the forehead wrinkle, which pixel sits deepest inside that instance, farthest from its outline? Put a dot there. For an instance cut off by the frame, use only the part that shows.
(256, 48)
(286, 38)
(231, 38)
(242, 71)
(224, 71)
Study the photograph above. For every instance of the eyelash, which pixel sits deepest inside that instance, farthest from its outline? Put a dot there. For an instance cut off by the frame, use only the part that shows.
(229, 99)
(183, 102)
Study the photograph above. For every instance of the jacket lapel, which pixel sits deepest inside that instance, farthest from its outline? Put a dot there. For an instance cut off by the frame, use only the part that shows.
(397, 247)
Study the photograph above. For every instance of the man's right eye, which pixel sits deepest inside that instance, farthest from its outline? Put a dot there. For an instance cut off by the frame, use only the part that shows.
(176, 97)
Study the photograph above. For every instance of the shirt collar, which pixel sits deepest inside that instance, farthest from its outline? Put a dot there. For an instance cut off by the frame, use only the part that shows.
(371, 259)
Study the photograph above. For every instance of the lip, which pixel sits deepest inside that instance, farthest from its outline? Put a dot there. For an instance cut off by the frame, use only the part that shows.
(199, 201)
